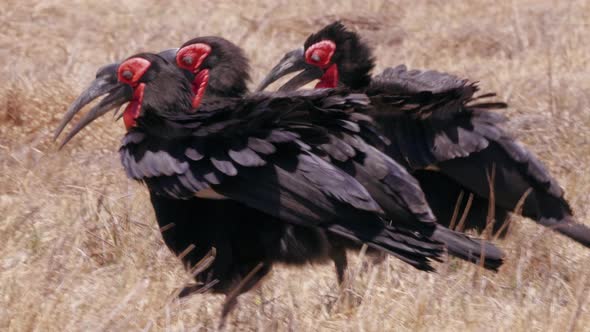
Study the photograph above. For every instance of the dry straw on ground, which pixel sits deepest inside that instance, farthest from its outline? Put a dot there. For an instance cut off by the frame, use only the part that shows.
(79, 247)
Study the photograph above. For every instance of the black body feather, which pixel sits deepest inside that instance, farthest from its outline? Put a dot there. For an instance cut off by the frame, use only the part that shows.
(444, 134)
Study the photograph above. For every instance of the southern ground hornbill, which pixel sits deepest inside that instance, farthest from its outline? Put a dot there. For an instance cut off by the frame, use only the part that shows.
(219, 69)
(449, 139)
(242, 236)
(237, 224)
(194, 56)
(265, 151)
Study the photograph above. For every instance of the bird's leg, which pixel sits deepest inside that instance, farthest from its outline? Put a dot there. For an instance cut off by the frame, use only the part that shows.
(338, 255)
(249, 281)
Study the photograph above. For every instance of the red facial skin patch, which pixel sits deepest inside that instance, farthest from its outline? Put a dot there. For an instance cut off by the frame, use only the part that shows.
(199, 86)
(197, 53)
(130, 72)
(191, 58)
(134, 66)
(329, 79)
(320, 54)
(133, 109)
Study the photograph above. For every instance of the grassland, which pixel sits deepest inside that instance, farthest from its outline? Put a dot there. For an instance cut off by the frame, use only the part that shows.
(79, 246)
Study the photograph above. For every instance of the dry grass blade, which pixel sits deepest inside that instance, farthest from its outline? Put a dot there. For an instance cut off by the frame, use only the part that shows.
(517, 210)
(491, 216)
(139, 287)
(167, 227)
(203, 264)
(456, 210)
(581, 299)
(461, 225)
(67, 264)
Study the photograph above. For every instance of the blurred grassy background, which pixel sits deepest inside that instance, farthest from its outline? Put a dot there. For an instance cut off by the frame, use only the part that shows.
(79, 246)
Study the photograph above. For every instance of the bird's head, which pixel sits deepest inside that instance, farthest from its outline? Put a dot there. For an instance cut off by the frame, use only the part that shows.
(333, 55)
(147, 82)
(219, 67)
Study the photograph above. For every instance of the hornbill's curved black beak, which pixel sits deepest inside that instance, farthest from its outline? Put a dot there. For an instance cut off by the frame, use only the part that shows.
(105, 82)
(169, 54)
(292, 61)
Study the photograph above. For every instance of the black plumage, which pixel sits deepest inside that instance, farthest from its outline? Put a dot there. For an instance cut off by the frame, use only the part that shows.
(294, 183)
(229, 68)
(447, 136)
(354, 58)
(271, 153)
(276, 183)
(204, 223)
(338, 149)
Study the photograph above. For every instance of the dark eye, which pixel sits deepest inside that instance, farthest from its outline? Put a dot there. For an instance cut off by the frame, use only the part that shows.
(320, 54)
(127, 74)
(187, 60)
(316, 57)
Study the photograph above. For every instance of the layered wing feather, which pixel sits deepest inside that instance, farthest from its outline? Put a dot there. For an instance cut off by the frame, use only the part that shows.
(271, 153)
(435, 119)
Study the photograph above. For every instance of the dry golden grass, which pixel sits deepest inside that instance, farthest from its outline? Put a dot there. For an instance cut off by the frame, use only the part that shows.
(79, 246)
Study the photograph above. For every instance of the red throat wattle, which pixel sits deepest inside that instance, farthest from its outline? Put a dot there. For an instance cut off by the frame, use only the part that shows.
(133, 109)
(199, 86)
(329, 79)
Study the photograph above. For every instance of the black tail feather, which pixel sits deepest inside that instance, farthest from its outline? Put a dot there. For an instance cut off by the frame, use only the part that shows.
(410, 247)
(568, 227)
(472, 250)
